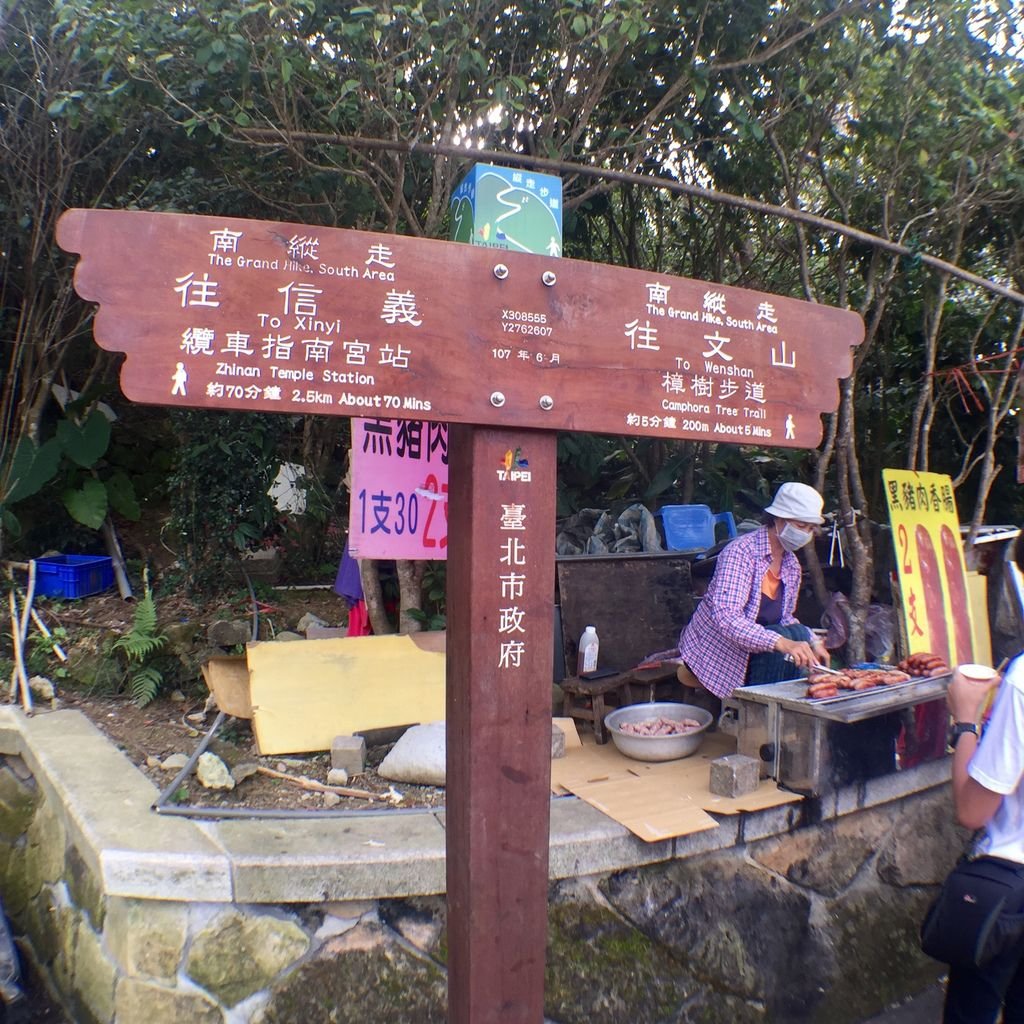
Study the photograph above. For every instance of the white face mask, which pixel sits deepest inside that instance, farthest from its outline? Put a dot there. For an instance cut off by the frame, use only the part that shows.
(792, 538)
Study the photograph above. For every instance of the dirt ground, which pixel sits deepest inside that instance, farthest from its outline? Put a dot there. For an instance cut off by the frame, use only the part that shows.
(178, 721)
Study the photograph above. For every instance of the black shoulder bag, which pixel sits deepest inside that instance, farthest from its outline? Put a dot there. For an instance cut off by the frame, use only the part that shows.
(978, 914)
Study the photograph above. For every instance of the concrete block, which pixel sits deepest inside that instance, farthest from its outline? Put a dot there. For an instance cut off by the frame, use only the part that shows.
(385, 855)
(734, 775)
(349, 752)
(557, 742)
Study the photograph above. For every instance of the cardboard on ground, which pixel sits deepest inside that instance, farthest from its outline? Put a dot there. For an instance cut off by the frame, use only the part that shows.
(306, 692)
(657, 800)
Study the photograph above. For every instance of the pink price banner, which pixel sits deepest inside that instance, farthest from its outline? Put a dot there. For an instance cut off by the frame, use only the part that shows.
(399, 501)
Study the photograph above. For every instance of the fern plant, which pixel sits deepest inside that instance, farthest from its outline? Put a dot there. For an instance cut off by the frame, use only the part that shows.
(139, 645)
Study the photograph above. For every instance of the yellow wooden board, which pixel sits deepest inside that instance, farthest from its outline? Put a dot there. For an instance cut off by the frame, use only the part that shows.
(936, 608)
(977, 594)
(657, 800)
(227, 676)
(304, 693)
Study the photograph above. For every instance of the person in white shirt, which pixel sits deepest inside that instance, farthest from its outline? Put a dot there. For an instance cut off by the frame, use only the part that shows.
(988, 793)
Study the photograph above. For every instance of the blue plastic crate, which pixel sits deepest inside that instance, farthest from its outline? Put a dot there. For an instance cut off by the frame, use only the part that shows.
(71, 576)
(692, 528)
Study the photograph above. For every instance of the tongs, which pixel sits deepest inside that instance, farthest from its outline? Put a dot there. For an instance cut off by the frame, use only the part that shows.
(827, 669)
(819, 668)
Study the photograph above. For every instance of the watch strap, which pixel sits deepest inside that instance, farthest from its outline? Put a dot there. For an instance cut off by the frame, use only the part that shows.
(959, 728)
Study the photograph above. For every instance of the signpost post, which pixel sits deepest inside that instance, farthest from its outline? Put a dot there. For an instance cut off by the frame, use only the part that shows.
(222, 313)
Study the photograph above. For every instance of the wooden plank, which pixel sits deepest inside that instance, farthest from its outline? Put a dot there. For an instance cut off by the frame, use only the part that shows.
(306, 692)
(500, 602)
(638, 604)
(225, 313)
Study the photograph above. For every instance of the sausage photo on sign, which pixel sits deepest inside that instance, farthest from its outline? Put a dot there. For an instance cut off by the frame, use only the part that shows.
(931, 585)
(958, 601)
(930, 719)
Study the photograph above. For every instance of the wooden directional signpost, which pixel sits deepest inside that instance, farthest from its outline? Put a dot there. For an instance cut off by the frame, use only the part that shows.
(221, 313)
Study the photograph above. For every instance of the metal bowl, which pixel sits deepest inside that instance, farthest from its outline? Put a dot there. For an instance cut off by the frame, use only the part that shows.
(657, 748)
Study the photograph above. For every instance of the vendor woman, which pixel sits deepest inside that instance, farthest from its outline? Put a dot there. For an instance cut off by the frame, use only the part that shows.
(744, 631)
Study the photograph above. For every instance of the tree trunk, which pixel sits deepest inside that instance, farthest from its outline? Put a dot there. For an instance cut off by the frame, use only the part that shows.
(374, 597)
(410, 589)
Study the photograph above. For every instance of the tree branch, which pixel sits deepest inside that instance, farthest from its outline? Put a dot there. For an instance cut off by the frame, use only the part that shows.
(276, 137)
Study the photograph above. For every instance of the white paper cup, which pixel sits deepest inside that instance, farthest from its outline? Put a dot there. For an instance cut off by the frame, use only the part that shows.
(975, 673)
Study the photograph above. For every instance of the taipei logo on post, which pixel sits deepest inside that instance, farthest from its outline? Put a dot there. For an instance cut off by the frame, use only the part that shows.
(514, 468)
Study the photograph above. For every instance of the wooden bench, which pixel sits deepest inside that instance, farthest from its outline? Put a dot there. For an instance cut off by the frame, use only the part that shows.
(638, 603)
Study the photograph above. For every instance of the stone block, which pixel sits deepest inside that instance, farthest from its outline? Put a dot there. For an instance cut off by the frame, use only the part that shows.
(557, 742)
(237, 955)
(225, 633)
(147, 936)
(43, 923)
(734, 775)
(84, 887)
(350, 910)
(924, 843)
(597, 960)
(326, 632)
(349, 752)
(368, 976)
(94, 975)
(374, 855)
(140, 1002)
(17, 802)
(47, 832)
(827, 858)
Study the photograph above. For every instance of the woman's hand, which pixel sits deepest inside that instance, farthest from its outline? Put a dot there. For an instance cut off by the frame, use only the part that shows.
(800, 652)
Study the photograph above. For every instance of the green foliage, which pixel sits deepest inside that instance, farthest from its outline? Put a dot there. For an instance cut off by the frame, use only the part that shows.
(219, 501)
(84, 443)
(139, 646)
(40, 658)
(74, 462)
(898, 119)
(433, 615)
(30, 468)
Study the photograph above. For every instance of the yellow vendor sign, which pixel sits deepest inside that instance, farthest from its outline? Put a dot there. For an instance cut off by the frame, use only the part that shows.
(930, 561)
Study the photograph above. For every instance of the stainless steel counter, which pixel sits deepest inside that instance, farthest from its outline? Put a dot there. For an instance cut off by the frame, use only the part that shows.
(811, 746)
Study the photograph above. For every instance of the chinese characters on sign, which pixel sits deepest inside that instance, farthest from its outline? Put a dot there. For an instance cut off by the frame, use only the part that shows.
(930, 563)
(714, 391)
(287, 348)
(399, 504)
(238, 314)
(512, 576)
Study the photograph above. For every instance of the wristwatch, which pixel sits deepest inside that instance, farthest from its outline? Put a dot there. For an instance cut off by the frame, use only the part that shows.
(958, 729)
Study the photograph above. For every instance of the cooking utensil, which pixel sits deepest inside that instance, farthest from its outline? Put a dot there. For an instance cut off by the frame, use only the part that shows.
(657, 748)
(827, 669)
(818, 668)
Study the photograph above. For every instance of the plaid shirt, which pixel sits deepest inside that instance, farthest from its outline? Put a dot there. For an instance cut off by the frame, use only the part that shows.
(718, 641)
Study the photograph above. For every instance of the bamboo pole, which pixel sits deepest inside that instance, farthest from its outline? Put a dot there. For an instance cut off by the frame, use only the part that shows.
(19, 677)
(45, 630)
(319, 787)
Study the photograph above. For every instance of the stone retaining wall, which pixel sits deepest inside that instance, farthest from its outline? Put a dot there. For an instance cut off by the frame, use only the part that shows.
(805, 913)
